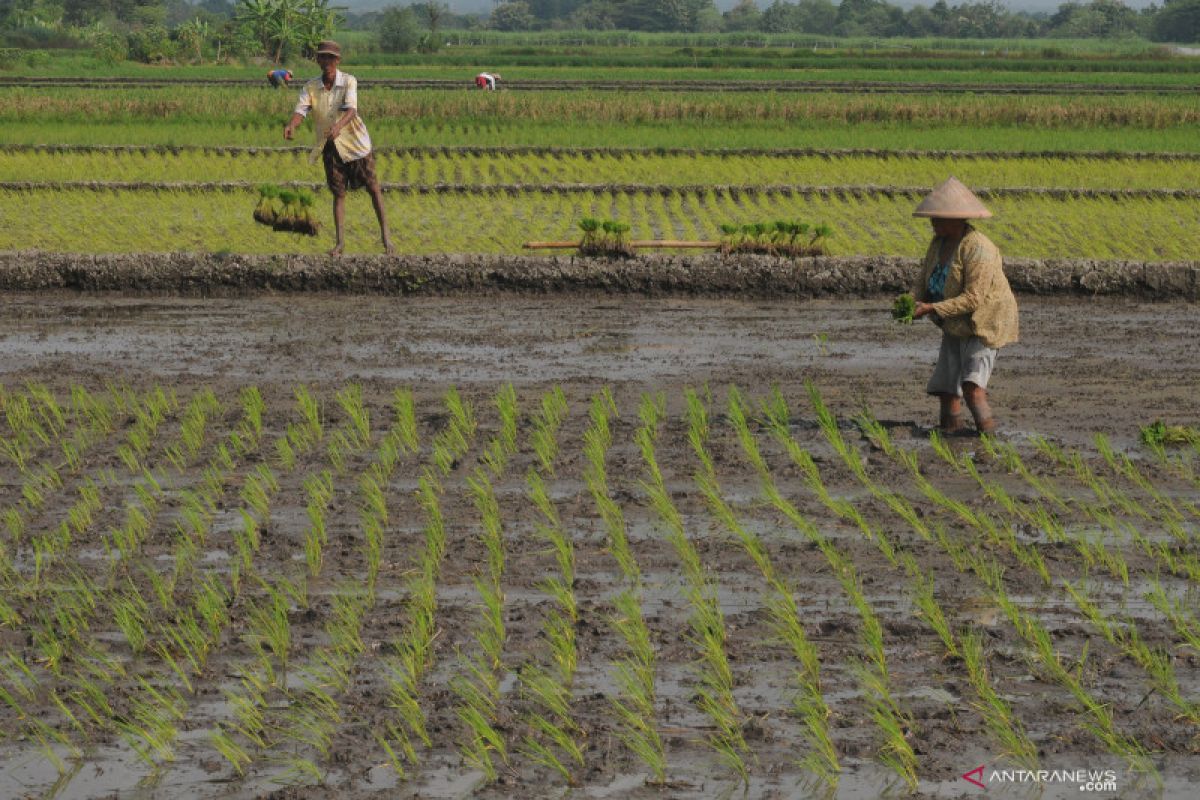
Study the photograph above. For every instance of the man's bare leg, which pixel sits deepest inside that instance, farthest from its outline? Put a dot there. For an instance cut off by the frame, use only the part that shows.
(381, 215)
(339, 219)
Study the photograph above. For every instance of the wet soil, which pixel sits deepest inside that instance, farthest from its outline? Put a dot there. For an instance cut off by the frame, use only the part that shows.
(1082, 367)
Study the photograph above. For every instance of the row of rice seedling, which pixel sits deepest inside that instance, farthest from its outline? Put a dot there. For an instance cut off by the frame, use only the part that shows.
(255, 108)
(406, 731)
(477, 682)
(615, 167)
(1029, 226)
(264, 680)
(809, 704)
(1122, 633)
(553, 737)
(634, 704)
(708, 634)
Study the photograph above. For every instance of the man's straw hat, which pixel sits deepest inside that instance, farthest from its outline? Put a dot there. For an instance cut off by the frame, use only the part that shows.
(328, 47)
(952, 200)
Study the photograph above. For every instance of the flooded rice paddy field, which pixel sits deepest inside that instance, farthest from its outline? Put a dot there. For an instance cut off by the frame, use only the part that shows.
(209, 592)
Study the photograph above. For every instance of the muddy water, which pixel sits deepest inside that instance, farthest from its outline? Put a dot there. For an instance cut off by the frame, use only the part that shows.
(1082, 367)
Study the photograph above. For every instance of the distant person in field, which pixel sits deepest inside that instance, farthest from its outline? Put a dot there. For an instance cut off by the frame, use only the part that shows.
(962, 288)
(342, 140)
(487, 81)
(280, 78)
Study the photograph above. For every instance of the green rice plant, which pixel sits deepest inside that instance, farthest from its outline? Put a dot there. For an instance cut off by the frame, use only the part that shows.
(896, 753)
(596, 442)
(309, 431)
(483, 496)
(351, 401)
(552, 730)
(1174, 610)
(931, 610)
(451, 444)
(130, 612)
(504, 445)
(319, 490)
(545, 428)
(269, 629)
(238, 757)
(406, 419)
(996, 712)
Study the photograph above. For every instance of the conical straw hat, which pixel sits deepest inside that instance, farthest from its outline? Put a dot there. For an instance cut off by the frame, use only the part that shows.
(952, 200)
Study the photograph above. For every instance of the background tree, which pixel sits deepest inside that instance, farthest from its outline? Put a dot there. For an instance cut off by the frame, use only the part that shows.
(512, 16)
(432, 13)
(287, 27)
(1178, 21)
(745, 16)
(399, 30)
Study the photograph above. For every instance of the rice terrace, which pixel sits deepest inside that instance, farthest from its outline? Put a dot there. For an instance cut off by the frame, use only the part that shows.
(617, 478)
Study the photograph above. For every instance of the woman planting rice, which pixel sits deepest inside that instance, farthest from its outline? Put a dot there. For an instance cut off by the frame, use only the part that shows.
(342, 139)
(962, 288)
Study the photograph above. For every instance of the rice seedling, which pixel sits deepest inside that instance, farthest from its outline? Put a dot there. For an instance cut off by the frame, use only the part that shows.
(504, 445)
(304, 435)
(319, 490)
(552, 730)
(451, 444)
(269, 629)
(545, 428)
(1184, 621)
(351, 401)
(233, 752)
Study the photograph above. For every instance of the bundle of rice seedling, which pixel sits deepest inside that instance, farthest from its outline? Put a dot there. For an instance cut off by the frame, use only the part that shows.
(265, 212)
(903, 308)
(287, 218)
(307, 222)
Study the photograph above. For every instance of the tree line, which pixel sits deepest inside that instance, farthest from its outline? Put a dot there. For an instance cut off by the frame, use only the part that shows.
(182, 30)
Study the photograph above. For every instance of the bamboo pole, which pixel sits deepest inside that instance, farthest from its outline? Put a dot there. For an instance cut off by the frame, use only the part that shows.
(669, 243)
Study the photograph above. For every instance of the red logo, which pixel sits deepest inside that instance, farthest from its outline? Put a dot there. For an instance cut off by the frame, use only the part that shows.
(977, 773)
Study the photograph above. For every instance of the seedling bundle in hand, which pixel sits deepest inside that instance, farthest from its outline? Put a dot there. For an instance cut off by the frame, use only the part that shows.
(1159, 434)
(903, 308)
(287, 210)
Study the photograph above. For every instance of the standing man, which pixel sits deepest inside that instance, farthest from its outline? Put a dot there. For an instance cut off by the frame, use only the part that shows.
(342, 139)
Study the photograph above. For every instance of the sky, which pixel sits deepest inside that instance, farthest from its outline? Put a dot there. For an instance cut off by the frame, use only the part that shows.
(483, 5)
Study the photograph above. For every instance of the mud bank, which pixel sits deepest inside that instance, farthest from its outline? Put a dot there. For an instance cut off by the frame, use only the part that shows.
(710, 274)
